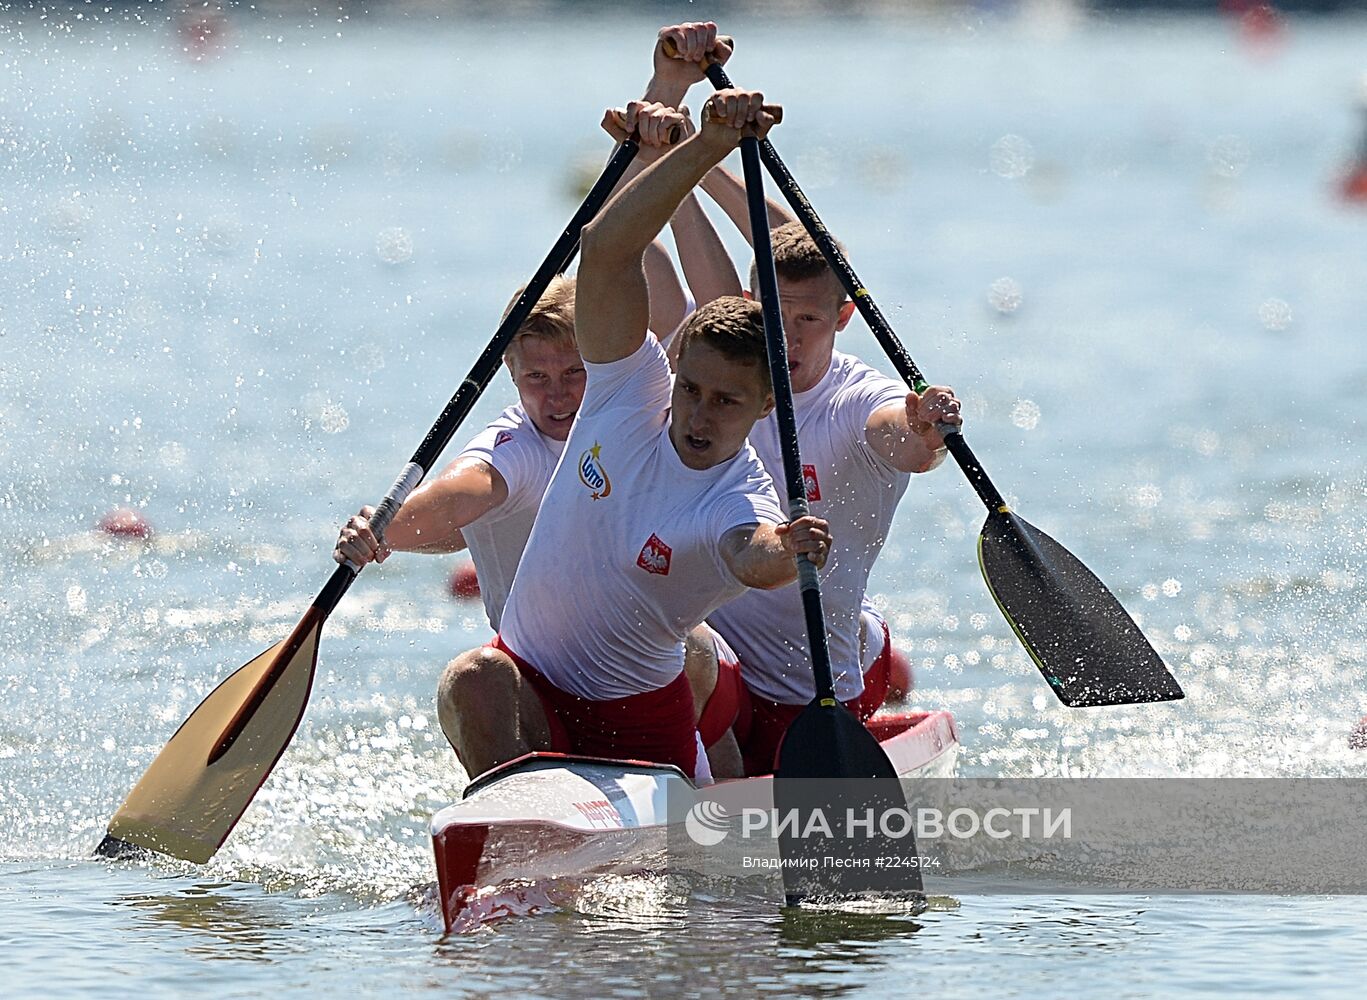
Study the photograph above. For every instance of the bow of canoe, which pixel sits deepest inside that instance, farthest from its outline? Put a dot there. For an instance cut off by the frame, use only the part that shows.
(547, 816)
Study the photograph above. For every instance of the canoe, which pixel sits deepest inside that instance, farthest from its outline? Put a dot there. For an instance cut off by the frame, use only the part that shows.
(549, 816)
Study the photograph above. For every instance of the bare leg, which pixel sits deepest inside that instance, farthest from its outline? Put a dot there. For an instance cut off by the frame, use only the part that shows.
(700, 664)
(488, 712)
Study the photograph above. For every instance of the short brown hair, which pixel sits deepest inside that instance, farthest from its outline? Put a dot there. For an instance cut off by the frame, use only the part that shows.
(551, 318)
(796, 256)
(733, 327)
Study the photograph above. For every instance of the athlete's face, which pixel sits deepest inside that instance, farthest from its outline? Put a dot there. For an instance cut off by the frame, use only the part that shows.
(716, 402)
(814, 311)
(550, 382)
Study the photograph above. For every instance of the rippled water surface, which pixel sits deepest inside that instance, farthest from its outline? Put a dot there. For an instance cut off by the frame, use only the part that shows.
(238, 289)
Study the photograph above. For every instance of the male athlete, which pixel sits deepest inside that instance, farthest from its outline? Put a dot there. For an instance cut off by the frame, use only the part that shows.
(860, 435)
(659, 513)
(488, 496)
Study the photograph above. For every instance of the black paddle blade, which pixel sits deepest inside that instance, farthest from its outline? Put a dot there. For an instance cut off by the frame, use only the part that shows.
(1088, 648)
(837, 796)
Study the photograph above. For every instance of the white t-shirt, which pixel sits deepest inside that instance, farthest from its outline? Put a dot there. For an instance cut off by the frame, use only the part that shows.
(625, 556)
(525, 458)
(854, 489)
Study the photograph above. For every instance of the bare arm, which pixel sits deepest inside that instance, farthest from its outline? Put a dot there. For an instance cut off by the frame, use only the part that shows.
(905, 435)
(668, 302)
(764, 556)
(431, 519)
(728, 191)
(707, 266)
(612, 304)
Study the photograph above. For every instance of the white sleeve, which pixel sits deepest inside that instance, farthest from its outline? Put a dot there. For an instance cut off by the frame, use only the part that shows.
(516, 454)
(752, 502)
(857, 401)
(640, 381)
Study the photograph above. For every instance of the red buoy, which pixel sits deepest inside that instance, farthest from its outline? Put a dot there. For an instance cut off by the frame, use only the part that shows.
(464, 583)
(1353, 187)
(123, 522)
(901, 676)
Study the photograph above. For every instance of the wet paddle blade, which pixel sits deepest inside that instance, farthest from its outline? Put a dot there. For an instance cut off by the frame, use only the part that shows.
(1088, 648)
(831, 767)
(185, 806)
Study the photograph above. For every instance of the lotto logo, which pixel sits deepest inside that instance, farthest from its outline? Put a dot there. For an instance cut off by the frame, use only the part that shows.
(810, 481)
(593, 475)
(503, 438)
(654, 557)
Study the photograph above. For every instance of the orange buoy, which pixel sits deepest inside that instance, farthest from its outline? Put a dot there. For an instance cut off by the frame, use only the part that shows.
(901, 676)
(464, 583)
(123, 522)
(1353, 187)
(1357, 739)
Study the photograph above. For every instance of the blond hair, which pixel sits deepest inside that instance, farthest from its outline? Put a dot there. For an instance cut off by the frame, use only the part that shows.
(734, 328)
(552, 318)
(797, 257)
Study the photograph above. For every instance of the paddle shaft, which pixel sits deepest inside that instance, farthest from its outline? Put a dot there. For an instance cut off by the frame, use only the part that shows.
(457, 409)
(809, 580)
(882, 330)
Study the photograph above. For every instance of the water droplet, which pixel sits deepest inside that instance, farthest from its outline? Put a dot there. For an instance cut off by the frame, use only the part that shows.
(1228, 155)
(1275, 315)
(1171, 587)
(1025, 414)
(1147, 496)
(333, 418)
(172, 454)
(1004, 295)
(1011, 157)
(75, 600)
(394, 245)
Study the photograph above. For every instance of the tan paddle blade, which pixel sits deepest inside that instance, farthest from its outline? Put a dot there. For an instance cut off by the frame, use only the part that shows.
(186, 806)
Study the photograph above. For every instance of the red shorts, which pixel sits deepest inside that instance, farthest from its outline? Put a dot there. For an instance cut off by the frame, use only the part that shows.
(723, 707)
(655, 726)
(762, 723)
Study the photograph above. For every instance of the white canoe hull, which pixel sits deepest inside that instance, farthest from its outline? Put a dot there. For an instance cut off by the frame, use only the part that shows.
(548, 816)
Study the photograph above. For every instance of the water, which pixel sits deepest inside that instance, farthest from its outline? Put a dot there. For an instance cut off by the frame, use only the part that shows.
(239, 289)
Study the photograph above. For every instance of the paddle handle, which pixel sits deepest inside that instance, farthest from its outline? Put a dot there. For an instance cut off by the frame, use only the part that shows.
(873, 316)
(672, 50)
(809, 580)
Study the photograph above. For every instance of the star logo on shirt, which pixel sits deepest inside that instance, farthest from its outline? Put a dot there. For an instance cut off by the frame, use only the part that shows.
(593, 475)
(654, 557)
(810, 481)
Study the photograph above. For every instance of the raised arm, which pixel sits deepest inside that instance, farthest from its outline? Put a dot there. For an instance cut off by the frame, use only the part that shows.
(612, 303)
(431, 519)
(706, 265)
(728, 191)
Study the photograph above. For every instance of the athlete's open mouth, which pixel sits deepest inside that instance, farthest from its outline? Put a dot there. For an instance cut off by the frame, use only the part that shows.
(562, 417)
(697, 444)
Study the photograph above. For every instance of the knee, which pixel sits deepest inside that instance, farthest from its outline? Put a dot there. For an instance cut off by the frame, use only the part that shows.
(474, 673)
